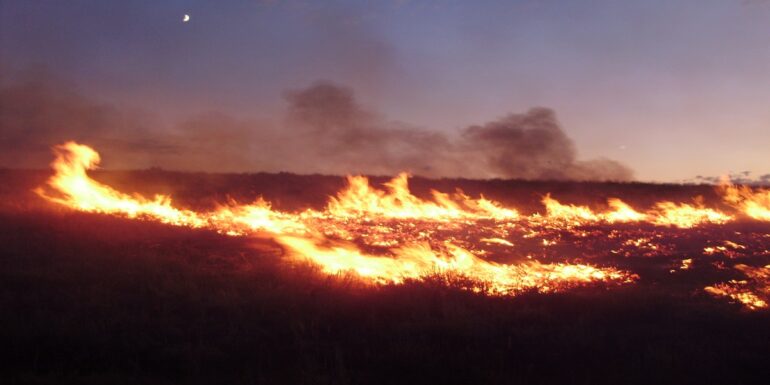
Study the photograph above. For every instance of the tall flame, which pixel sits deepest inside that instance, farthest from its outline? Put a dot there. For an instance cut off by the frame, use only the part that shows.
(80, 192)
(753, 203)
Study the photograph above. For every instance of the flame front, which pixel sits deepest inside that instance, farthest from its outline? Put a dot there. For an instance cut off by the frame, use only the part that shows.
(360, 199)
(80, 192)
(322, 236)
(389, 236)
(754, 204)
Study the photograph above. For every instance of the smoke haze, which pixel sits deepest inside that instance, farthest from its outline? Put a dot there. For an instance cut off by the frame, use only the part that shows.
(324, 130)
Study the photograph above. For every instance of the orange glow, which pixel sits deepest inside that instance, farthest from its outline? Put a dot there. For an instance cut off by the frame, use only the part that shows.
(753, 203)
(568, 213)
(685, 215)
(360, 199)
(389, 236)
(622, 212)
(325, 237)
(80, 192)
(417, 260)
(754, 293)
(680, 215)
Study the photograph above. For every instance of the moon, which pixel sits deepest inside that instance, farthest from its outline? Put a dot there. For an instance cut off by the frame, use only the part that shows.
(185, 18)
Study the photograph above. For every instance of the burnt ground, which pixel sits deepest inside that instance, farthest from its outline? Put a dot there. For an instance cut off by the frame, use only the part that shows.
(96, 299)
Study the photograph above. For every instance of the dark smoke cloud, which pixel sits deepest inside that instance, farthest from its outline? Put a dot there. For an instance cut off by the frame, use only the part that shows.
(325, 130)
(527, 146)
(532, 145)
(342, 137)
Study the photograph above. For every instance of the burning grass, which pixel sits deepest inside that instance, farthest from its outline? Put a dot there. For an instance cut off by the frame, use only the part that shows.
(378, 284)
(416, 237)
(95, 298)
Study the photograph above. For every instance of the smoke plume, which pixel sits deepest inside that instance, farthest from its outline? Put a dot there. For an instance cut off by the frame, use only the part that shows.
(325, 130)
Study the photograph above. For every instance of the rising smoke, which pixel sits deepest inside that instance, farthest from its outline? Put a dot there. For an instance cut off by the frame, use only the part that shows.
(325, 130)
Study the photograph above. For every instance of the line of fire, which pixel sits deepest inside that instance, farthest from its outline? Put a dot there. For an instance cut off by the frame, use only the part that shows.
(387, 235)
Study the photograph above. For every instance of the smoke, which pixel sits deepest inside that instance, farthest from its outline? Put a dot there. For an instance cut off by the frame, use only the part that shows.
(345, 138)
(532, 145)
(325, 130)
(327, 123)
(37, 113)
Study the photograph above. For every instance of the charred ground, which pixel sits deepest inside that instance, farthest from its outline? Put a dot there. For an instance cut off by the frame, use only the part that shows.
(97, 299)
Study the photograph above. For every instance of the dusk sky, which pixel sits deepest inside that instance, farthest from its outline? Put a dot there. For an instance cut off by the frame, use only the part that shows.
(670, 89)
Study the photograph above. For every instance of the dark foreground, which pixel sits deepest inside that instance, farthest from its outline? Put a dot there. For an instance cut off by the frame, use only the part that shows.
(93, 299)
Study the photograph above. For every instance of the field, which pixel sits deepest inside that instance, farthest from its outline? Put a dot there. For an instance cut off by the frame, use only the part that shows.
(95, 298)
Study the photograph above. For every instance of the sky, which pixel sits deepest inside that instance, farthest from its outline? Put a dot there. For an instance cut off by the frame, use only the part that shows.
(668, 89)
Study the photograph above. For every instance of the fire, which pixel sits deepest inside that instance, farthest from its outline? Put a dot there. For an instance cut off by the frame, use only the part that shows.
(80, 192)
(680, 215)
(622, 212)
(414, 261)
(327, 237)
(754, 204)
(568, 213)
(390, 236)
(753, 293)
(360, 199)
(685, 215)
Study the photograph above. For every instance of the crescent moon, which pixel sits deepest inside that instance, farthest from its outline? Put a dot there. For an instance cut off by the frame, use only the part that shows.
(186, 18)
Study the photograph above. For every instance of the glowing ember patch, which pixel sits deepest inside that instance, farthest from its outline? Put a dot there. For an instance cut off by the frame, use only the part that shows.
(754, 293)
(419, 260)
(498, 241)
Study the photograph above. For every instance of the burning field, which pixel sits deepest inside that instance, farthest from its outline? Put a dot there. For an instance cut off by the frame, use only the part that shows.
(390, 235)
(669, 279)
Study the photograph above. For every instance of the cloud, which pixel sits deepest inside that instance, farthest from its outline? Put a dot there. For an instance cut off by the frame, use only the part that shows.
(743, 177)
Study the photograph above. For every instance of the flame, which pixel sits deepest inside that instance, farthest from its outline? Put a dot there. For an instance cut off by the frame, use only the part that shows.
(686, 216)
(310, 235)
(497, 241)
(360, 199)
(753, 293)
(622, 212)
(80, 192)
(568, 213)
(389, 236)
(414, 261)
(753, 203)
(666, 213)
